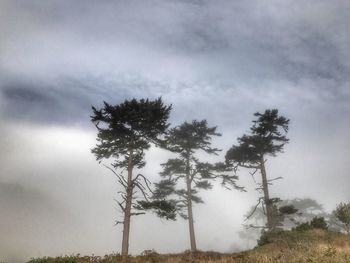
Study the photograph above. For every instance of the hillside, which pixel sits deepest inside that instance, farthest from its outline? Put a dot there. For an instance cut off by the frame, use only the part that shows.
(281, 246)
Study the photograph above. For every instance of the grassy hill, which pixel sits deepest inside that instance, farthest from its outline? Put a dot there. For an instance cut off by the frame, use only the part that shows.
(280, 246)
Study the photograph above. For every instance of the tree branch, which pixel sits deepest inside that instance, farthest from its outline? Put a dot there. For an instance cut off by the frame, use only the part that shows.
(121, 179)
(256, 206)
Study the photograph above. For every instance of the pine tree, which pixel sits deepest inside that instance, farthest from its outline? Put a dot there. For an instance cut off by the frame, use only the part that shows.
(267, 137)
(125, 132)
(185, 175)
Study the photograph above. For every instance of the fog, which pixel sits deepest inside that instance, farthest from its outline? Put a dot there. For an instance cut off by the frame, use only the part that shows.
(215, 60)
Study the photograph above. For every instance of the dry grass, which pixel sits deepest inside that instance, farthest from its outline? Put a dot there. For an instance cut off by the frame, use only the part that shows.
(285, 247)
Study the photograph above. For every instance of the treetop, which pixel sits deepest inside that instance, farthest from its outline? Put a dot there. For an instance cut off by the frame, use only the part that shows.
(129, 128)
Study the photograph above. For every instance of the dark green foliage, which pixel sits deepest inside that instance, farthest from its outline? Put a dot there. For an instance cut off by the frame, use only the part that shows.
(315, 223)
(287, 209)
(303, 227)
(319, 223)
(130, 125)
(162, 208)
(267, 137)
(342, 215)
(189, 137)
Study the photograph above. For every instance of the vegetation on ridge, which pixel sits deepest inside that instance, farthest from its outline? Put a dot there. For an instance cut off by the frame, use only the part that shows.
(281, 246)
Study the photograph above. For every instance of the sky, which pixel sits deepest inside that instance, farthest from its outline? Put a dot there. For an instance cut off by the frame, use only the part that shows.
(216, 60)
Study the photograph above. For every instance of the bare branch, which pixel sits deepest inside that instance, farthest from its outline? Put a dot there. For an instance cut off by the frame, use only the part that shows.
(146, 181)
(118, 222)
(274, 179)
(137, 214)
(256, 206)
(121, 206)
(253, 226)
(253, 173)
(121, 179)
(142, 189)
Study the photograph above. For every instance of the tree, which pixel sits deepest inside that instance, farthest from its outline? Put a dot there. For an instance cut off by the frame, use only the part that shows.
(185, 175)
(267, 137)
(342, 215)
(288, 213)
(125, 132)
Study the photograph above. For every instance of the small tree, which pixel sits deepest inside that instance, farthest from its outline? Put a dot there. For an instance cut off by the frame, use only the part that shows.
(289, 213)
(185, 175)
(267, 137)
(342, 214)
(319, 223)
(125, 132)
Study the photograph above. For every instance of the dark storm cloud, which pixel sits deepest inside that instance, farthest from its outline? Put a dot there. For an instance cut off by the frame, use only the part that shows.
(33, 103)
(67, 100)
(287, 34)
(218, 44)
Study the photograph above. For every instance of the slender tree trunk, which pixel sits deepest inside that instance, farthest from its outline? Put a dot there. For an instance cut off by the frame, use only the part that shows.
(127, 212)
(265, 186)
(189, 207)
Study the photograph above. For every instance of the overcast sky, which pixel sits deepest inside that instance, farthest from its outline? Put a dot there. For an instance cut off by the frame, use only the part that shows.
(219, 60)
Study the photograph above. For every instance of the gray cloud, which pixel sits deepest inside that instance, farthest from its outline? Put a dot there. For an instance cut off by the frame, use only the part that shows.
(115, 48)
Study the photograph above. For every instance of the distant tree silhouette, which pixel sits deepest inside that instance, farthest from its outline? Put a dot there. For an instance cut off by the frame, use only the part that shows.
(267, 137)
(125, 132)
(186, 174)
(288, 213)
(342, 216)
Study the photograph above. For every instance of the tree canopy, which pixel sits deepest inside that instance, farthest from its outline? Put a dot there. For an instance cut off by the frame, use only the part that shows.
(131, 125)
(267, 137)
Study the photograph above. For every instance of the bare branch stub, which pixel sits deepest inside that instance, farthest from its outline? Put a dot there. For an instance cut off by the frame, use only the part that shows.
(260, 200)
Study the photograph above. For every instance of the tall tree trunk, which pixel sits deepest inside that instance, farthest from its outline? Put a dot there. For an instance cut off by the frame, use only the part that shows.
(267, 200)
(127, 212)
(189, 207)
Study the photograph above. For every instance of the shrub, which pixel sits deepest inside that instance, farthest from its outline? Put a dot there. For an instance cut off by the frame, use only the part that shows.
(315, 223)
(303, 227)
(319, 223)
(342, 214)
(66, 259)
(266, 236)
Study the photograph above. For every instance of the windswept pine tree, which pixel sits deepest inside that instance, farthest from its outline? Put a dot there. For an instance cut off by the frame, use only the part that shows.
(125, 132)
(267, 137)
(185, 175)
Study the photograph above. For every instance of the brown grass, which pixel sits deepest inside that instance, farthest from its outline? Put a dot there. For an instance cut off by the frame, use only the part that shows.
(283, 247)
